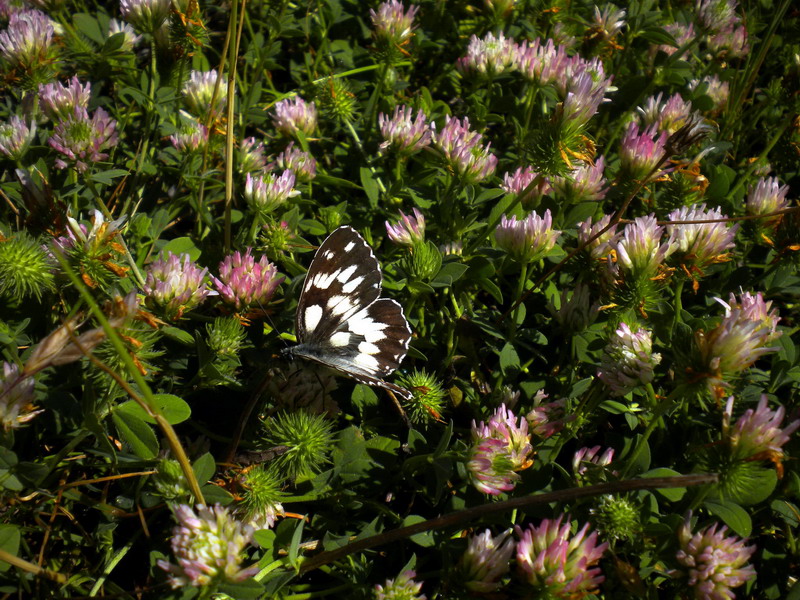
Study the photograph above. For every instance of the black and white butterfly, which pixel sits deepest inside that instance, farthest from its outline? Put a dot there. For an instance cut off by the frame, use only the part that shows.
(342, 322)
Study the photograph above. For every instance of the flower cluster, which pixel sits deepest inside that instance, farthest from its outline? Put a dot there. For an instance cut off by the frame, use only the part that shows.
(557, 563)
(486, 560)
(701, 244)
(59, 102)
(528, 239)
(490, 55)
(295, 115)
(208, 546)
(583, 184)
(767, 196)
(392, 24)
(640, 252)
(26, 43)
(628, 360)
(191, 135)
(599, 246)
(199, 93)
(519, 180)
(16, 136)
(146, 16)
(84, 139)
(715, 564)
(758, 433)
(668, 115)
(175, 284)
(294, 160)
(267, 191)
(547, 418)
(16, 397)
(409, 230)
(643, 153)
(584, 457)
(403, 134)
(243, 282)
(463, 150)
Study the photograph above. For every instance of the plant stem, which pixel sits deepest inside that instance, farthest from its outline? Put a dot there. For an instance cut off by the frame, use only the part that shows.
(659, 411)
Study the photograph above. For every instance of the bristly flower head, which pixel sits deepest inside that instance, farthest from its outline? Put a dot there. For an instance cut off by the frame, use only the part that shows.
(175, 284)
(198, 91)
(409, 230)
(463, 150)
(403, 134)
(393, 25)
(486, 560)
(757, 434)
(584, 184)
(715, 564)
(628, 360)
(59, 101)
(519, 180)
(243, 282)
(529, 239)
(401, 588)
(701, 244)
(428, 396)
(267, 191)
(25, 44)
(557, 563)
(490, 55)
(26, 268)
(208, 546)
(744, 335)
(84, 139)
(642, 152)
(16, 397)
(307, 438)
(302, 164)
(293, 115)
(145, 15)
(765, 197)
(260, 504)
(16, 136)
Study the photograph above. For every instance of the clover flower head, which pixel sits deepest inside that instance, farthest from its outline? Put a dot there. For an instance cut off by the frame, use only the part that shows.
(609, 21)
(84, 139)
(714, 563)
(59, 101)
(252, 158)
(404, 134)
(758, 432)
(486, 560)
(582, 97)
(302, 164)
(643, 151)
(683, 34)
(628, 360)
(208, 546)
(191, 135)
(745, 333)
(463, 150)
(129, 37)
(267, 191)
(577, 311)
(503, 425)
(584, 184)
(26, 42)
(716, 89)
(175, 284)
(716, 15)
(558, 563)
(403, 587)
(244, 282)
(16, 136)
(409, 230)
(519, 180)
(731, 42)
(765, 197)
(590, 456)
(198, 92)
(668, 115)
(490, 467)
(16, 397)
(639, 251)
(145, 15)
(541, 63)
(701, 243)
(600, 247)
(490, 55)
(293, 115)
(392, 23)
(547, 418)
(527, 239)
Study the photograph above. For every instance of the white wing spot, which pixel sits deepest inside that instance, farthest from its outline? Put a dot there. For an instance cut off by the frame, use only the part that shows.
(313, 316)
(349, 246)
(368, 362)
(351, 285)
(368, 348)
(324, 280)
(328, 254)
(361, 324)
(342, 338)
(344, 275)
(339, 305)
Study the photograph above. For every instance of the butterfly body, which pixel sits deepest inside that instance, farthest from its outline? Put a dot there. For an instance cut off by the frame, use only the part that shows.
(342, 322)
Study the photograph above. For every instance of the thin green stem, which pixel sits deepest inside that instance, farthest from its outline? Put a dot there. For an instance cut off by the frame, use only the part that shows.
(659, 411)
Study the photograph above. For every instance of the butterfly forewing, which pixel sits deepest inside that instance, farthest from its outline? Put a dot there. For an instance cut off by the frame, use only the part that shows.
(343, 278)
(341, 322)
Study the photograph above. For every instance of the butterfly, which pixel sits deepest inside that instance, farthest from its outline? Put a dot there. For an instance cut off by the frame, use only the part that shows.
(342, 322)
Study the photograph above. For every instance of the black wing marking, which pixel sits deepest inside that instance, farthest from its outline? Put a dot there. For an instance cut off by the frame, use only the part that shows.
(344, 277)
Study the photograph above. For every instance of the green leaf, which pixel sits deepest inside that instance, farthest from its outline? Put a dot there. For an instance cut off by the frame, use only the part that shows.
(204, 467)
(424, 538)
(294, 547)
(370, 186)
(9, 541)
(88, 26)
(733, 515)
(137, 434)
(755, 487)
(174, 409)
(107, 177)
(179, 335)
(658, 36)
(671, 494)
(509, 359)
(249, 588)
(182, 245)
(450, 272)
(265, 538)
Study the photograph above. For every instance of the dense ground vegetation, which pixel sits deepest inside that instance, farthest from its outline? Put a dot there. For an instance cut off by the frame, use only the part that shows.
(587, 213)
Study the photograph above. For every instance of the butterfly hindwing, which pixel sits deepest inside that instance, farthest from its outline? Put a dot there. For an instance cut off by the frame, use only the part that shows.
(342, 322)
(343, 278)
